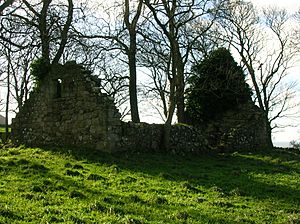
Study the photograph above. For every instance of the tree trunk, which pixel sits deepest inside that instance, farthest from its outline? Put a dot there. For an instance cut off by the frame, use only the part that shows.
(262, 105)
(64, 33)
(171, 109)
(180, 92)
(44, 33)
(131, 52)
(166, 136)
(7, 98)
(133, 98)
(132, 82)
(168, 125)
(6, 114)
(269, 135)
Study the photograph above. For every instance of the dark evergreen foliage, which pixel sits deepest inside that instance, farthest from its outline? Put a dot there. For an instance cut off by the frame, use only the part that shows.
(217, 85)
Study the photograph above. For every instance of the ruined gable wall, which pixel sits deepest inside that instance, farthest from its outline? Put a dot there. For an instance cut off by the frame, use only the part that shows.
(69, 110)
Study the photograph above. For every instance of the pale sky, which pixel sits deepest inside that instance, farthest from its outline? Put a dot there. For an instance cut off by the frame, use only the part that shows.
(289, 133)
(291, 5)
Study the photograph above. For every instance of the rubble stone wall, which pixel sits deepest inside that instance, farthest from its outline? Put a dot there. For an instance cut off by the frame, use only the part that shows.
(69, 110)
(149, 137)
(243, 128)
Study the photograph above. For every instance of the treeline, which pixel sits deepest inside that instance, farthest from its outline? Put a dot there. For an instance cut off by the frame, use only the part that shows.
(164, 39)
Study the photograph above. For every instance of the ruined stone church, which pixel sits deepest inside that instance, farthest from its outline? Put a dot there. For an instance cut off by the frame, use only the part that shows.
(69, 110)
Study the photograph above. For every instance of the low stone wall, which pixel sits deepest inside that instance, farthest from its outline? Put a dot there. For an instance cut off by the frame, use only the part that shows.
(149, 137)
(238, 130)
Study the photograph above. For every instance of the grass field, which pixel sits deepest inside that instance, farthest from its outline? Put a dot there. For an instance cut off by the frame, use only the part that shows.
(64, 186)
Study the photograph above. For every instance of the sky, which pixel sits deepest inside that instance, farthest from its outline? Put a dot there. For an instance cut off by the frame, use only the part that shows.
(291, 5)
(290, 133)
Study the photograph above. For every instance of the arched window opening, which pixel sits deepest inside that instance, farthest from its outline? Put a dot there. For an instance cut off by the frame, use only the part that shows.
(58, 88)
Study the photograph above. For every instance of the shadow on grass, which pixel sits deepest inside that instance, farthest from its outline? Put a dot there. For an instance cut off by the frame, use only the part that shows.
(241, 174)
(226, 172)
(68, 186)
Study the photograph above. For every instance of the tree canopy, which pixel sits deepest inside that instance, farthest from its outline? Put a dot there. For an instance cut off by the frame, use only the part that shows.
(217, 85)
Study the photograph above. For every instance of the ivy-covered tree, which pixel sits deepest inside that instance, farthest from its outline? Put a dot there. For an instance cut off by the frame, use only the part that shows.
(218, 84)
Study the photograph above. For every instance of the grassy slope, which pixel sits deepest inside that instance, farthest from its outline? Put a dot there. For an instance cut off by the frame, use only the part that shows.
(52, 186)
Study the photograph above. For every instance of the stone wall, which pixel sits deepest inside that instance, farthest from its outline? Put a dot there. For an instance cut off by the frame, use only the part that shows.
(149, 137)
(241, 129)
(69, 110)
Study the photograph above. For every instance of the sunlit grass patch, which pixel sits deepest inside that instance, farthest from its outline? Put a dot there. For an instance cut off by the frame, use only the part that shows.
(65, 186)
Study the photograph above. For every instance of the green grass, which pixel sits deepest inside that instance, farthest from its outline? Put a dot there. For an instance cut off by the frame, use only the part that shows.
(2, 129)
(64, 186)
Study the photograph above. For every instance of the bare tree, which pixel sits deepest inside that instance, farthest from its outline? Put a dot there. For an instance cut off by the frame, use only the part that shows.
(248, 33)
(180, 24)
(119, 32)
(131, 26)
(155, 56)
(8, 78)
(17, 81)
(5, 5)
(21, 80)
(6, 83)
(114, 83)
(296, 33)
(46, 22)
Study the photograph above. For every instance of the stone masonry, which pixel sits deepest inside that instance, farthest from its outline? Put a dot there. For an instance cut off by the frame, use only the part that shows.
(69, 110)
(243, 128)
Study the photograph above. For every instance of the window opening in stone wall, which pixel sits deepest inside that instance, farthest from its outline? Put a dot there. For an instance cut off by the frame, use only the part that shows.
(72, 85)
(58, 88)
